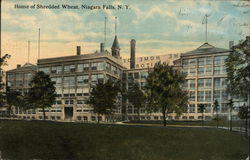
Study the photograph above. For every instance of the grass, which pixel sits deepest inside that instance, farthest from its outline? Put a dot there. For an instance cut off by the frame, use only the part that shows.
(194, 123)
(51, 140)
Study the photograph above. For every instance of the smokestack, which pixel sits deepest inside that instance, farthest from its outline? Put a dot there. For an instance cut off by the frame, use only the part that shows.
(78, 50)
(102, 46)
(132, 54)
(231, 44)
(18, 65)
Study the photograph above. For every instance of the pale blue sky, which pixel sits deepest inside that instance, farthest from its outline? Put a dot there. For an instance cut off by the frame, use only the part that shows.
(159, 26)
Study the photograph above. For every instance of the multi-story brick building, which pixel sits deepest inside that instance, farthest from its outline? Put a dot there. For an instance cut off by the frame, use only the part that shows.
(75, 75)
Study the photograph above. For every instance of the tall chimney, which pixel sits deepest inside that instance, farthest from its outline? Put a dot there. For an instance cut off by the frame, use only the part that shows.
(102, 46)
(231, 44)
(132, 54)
(78, 50)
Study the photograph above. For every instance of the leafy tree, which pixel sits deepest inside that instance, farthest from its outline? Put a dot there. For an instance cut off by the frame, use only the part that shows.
(136, 97)
(242, 114)
(238, 70)
(13, 99)
(164, 91)
(42, 93)
(216, 106)
(103, 97)
(3, 62)
(202, 108)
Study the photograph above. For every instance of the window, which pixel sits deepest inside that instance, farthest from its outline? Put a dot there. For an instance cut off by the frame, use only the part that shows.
(192, 62)
(216, 70)
(205, 83)
(114, 69)
(108, 67)
(219, 60)
(93, 118)
(185, 62)
(80, 101)
(79, 67)
(82, 80)
(57, 80)
(56, 69)
(72, 68)
(27, 75)
(208, 70)
(217, 82)
(192, 95)
(208, 82)
(201, 96)
(100, 66)
(85, 118)
(201, 71)
(79, 118)
(201, 61)
(11, 77)
(191, 83)
(45, 69)
(191, 108)
(224, 95)
(130, 76)
(208, 108)
(86, 66)
(58, 102)
(136, 75)
(200, 82)
(66, 68)
(93, 66)
(208, 96)
(144, 75)
(220, 82)
(97, 78)
(192, 71)
(217, 95)
(69, 81)
(208, 60)
(66, 101)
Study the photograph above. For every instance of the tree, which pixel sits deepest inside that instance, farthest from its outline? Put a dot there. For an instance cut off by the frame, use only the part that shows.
(242, 114)
(231, 106)
(3, 62)
(42, 92)
(136, 97)
(201, 108)
(164, 91)
(238, 70)
(103, 97)
(13, 98)
(216, 105)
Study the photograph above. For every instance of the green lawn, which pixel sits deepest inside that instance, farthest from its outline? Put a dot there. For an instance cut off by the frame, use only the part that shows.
(211, 123)
(51, 140)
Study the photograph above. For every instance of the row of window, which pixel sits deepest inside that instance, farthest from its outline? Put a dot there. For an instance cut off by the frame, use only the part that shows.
(134, 75)
(19, 76)
(206, 83)
(79, 80)
(205, 71)
(206, 96)
(70, 101)
(218, 60)
(81, 68)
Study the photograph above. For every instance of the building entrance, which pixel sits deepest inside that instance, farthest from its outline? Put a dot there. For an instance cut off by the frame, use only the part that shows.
(68, 112)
